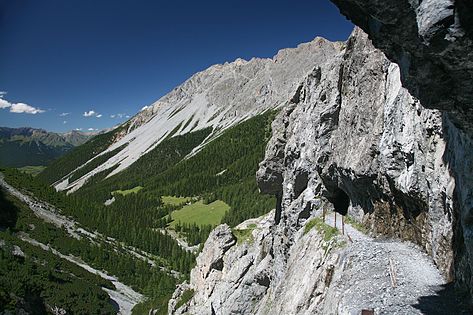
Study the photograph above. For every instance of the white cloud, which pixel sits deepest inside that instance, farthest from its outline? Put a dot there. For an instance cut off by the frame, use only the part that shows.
(119, 115)
(92, 129)
(4, 103)
(20, 108)
(127, 116)
(64, 114)
(78, 129)
(90, 113)
(64, 122)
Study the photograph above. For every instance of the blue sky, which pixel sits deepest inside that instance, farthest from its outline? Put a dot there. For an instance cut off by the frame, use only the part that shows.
(90, 64)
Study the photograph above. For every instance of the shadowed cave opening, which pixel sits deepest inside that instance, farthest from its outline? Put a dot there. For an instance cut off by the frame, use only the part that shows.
(340, 201)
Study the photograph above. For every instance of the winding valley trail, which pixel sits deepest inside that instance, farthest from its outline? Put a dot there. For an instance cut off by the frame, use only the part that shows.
(124, 296)
(390, 276)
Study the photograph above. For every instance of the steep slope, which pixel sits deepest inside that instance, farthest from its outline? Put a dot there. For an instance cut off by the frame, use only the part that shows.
(354, 141)
(28, 146)
(219, 97)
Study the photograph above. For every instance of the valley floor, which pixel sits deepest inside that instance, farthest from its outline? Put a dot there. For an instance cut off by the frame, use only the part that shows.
(124, 296)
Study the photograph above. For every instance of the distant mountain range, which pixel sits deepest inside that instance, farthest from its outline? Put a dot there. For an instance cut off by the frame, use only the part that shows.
(33, 147)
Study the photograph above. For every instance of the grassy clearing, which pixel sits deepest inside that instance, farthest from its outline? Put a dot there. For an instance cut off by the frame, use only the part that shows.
(33, 170)
(175, 201)
(200, 214)
(128, 191)
(328, 231)
(244, 235)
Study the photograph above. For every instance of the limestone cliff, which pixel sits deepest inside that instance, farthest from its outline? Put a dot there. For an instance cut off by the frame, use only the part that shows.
(432, 41)
(353, 140)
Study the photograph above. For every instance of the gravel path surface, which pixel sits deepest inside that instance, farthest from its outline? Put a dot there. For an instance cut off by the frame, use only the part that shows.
(389, 276)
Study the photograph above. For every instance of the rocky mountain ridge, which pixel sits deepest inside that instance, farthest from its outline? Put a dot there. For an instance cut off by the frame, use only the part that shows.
(353, 140)
(30, 146)
(218, 97)
(25, 134)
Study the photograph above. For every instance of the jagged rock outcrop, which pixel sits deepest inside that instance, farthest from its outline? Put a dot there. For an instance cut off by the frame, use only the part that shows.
(244, 281)
(353, 140)
(432, 42)
(356, 134)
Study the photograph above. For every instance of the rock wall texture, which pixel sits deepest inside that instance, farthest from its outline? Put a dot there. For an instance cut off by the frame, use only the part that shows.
(432, 42)
(354, 140)
(354, 132)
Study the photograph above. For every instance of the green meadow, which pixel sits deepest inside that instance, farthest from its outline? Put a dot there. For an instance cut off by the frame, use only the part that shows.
(200, 213)
(128, 191)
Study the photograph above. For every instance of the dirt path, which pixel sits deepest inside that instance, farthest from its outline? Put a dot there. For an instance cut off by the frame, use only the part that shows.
(390, 276)
(184, 245)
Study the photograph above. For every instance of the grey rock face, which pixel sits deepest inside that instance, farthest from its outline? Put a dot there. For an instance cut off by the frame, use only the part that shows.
(229, 279)
(350, 139)
(432, 42)
(356, 134)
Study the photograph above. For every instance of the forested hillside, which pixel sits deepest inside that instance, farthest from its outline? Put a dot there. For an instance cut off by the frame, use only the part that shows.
(79, 155)
(224, 169)
(154, 282)
(34, 280)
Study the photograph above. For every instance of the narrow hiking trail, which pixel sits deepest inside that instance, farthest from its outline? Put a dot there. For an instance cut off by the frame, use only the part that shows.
(390, 276)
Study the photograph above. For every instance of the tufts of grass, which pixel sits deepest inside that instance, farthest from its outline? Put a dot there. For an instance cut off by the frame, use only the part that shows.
(185, 297)
(328, 231)
(244, 235)
(360, 227)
